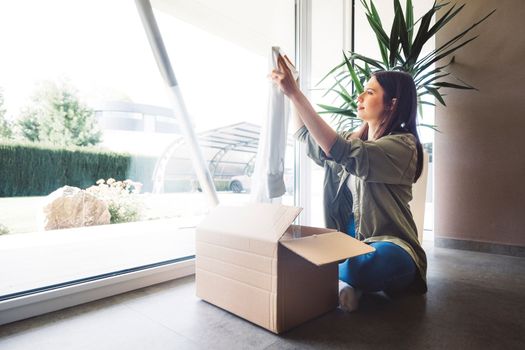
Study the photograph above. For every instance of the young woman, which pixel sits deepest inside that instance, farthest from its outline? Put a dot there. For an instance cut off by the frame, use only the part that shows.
(368, 181)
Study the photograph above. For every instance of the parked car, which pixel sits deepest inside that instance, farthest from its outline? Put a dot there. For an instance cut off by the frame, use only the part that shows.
(242, 183)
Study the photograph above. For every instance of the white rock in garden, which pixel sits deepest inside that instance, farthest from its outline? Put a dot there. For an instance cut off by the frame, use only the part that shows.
(72, 207)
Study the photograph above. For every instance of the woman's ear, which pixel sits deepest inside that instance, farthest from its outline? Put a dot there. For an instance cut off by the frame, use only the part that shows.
(393, 104)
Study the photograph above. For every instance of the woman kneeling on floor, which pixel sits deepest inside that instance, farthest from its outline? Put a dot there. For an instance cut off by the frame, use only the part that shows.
(368, 181)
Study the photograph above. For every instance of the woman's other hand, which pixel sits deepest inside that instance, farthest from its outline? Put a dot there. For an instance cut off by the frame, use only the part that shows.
(284, 78)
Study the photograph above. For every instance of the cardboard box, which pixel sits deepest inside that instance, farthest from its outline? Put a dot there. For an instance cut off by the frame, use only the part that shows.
(251, 261)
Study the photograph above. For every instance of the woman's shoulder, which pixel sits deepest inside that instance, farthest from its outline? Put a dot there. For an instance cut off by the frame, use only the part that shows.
(347, 135)
(405, 138)
(402, 144)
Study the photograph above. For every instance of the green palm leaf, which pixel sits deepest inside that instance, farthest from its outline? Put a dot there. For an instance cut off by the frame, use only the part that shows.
(394, 41)
(409, 20)
(454, 86)
(431, 72)
(355, 79)
(427, 103)
(456, 38)
(436, 94)
(368, 60)
(331, 109)
(337, 81)
(446, 53)
(378, 29)
(382, 46)
(400, 50)
(420, 40)
(332, 71)
(432, 126)
(402, 29)
(434, 77)
(444, 20)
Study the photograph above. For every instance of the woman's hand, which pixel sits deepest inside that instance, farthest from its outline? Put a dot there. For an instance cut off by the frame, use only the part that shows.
(283, 77)
(322, 133)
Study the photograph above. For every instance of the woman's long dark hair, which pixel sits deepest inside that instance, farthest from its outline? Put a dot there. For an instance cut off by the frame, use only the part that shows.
(400, 117)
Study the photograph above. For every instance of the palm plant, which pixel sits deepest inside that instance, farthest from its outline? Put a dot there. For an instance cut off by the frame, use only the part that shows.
(399, 51)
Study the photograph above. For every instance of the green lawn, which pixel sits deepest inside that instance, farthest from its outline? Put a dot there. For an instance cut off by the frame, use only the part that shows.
(20, 214)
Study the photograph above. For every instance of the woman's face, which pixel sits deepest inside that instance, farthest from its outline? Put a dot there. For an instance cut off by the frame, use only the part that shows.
(370, 106)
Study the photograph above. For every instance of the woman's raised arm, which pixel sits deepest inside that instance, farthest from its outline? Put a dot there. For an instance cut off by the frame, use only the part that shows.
(322, 133)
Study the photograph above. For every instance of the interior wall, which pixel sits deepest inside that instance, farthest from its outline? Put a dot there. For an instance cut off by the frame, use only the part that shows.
(480, 153)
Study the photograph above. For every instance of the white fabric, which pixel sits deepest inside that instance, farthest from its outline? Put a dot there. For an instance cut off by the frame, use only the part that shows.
(268, 181)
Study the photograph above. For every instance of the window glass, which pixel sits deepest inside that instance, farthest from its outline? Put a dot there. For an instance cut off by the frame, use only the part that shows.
(83, 104)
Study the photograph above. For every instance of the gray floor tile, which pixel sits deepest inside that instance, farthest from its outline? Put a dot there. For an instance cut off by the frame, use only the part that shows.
(98, 325)
(209, 326)
(475, 301)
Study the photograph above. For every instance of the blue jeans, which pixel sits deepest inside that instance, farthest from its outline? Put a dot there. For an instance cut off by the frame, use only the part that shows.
(389, 268)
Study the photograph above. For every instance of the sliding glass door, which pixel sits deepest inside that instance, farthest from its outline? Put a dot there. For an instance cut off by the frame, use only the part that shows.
(97, 176)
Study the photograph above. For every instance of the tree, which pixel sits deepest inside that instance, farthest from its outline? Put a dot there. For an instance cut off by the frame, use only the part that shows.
(57, 116)
(29, 127)
(6, 127)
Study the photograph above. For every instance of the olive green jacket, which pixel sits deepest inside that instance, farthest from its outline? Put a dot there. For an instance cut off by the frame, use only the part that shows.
(383, 173)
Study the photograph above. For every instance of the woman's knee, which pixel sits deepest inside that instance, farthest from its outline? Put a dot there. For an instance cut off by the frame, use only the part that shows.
(359, 273)
(389, 267)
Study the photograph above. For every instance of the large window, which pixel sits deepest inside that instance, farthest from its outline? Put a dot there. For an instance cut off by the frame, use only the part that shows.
(85, 70)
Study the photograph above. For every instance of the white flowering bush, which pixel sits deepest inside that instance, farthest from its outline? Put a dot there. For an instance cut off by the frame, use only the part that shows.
(122, 198)
(3, 229)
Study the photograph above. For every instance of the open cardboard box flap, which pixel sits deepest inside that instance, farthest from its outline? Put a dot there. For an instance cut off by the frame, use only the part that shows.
(272, 222)
(263, 221)
(326, 247)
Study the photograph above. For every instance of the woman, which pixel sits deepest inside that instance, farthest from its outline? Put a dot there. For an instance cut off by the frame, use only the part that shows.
(368, 181)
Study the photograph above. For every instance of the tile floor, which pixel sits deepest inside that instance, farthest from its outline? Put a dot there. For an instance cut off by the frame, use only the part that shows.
(475, 301)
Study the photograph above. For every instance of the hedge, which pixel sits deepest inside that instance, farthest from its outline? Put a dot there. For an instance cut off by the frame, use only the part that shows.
(28, 169)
